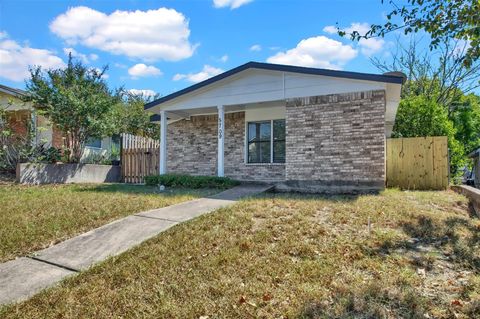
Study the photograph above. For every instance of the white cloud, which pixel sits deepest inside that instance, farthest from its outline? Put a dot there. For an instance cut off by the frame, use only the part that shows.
(143, 70)
(224, 58)
(320, 52)
(330, 29)
(85, 58)
(369, 46)
(207, 72)
(256, 47)
(151, 35)
(3, 34)
(233, 4)
(146, 93)
(15, 59)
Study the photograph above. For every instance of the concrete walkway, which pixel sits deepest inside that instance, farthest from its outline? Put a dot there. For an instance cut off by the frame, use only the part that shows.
(25, 276)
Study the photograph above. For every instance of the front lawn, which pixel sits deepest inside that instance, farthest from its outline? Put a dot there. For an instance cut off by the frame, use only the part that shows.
(34, 217)
(290, 256)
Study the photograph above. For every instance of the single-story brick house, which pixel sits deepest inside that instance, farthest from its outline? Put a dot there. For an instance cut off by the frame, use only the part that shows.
(302, 128)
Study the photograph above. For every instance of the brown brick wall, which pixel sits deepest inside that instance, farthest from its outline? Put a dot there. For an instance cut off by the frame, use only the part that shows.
(337, 139)
(19, 122)
(57, 137)
(192, 149)
(333, 141)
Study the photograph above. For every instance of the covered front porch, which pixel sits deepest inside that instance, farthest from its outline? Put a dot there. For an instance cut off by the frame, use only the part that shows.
(245, 142)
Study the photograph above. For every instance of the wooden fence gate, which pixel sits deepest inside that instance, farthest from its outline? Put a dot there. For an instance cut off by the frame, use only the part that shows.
(418, 163)
(140, 156)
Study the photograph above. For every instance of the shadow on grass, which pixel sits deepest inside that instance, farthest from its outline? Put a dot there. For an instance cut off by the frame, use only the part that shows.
(140, 189)
(309, 197)
(458, 239)
(457, 234)
(370, 301)
(380, 299)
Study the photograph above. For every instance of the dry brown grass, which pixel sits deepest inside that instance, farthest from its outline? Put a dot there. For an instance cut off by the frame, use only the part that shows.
(35, 217)
(290, 256)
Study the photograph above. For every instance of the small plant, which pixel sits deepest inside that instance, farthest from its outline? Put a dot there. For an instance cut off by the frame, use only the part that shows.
(115, 153)
(44, 154)
(187, 181)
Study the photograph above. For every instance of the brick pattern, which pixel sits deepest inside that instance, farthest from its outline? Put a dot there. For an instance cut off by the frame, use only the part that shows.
(19, 122)
(192, 149)
(336, 139)
(57, 137)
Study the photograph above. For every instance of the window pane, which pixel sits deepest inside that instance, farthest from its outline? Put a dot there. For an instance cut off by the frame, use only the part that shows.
(259, 152)
(94, 142)
(252, 131)
(279, 152)
(265, 131)
(253, 153)
(279, 130)
(265, 152)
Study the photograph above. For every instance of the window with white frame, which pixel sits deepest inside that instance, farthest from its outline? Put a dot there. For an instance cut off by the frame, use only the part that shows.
(266, 141)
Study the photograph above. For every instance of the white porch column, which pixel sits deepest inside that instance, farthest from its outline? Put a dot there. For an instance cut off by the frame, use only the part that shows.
(163, 143)
(221, 130)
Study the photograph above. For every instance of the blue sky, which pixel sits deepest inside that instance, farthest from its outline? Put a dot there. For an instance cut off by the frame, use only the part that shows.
(164, 46)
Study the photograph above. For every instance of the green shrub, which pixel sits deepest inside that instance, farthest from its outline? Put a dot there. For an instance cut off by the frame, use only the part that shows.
(187, 181)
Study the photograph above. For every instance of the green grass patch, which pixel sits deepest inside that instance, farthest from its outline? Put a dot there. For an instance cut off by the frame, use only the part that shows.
(289, 256)
(188, 181)
(35, 217)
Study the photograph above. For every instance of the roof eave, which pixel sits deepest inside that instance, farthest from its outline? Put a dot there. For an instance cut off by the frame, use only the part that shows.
(282, 68)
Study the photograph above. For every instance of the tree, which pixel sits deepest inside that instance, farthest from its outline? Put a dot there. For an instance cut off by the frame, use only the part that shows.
(443, 20)
(421, 116)
(130, 116)
(466, 120)
(442, 86)
(440, 76)
(77, 100)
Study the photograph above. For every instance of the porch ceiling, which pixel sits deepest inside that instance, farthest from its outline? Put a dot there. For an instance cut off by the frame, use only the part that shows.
(186, 113)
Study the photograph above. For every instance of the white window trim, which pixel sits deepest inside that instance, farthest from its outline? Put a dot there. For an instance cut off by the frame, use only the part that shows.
(245, 153)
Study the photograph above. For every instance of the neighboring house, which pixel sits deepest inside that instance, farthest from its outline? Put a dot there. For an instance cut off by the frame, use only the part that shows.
(100, 147)
(22, 117)
(304, 128)
(475, 155)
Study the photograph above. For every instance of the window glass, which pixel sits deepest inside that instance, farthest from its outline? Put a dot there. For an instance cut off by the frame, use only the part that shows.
(252, 131)
(259, 142)
(279, 152)
(94, 142)
(279, 130)
(265, 131)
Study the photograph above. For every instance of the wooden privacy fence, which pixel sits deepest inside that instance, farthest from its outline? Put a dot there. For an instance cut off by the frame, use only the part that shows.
(417, 163)
(140, 156)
